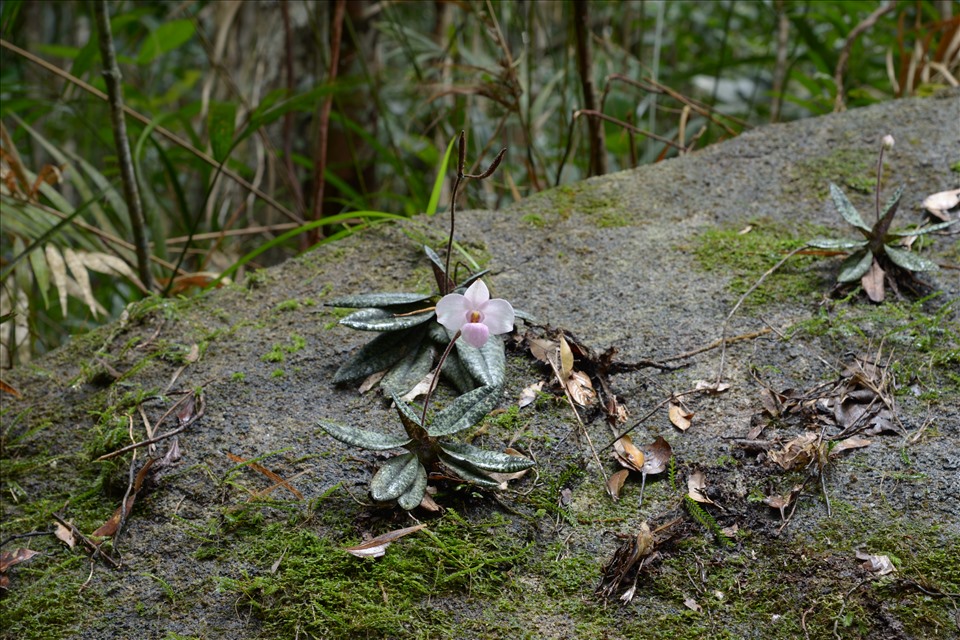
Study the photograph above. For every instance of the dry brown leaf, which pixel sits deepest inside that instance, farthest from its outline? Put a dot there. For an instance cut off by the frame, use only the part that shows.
(782, 502)
(615, 483)
(628, 454)
(420, 389)
(940, 204)
(6, 388)
(542, 349)
(65, 535)
(504, 478)
(656, 456)
(731, 531)
(428, 503)
(853, 442)
(872, 282)
(696, 487)
(880, 565)
(691, 604)
(711, 386)
(678, 417)
(377, 547)
(771, 403)
(580, 388)
(82, 278)
(529, 394)
(58, 269)
(797, 453)
(109, 528)
(110, 265)
(12, 558)
(566, 359)
(371, 381)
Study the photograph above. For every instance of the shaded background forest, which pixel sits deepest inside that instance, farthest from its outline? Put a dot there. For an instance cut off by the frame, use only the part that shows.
(259, 129)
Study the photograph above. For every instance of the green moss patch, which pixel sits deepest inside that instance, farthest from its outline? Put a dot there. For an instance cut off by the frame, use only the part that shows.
(747, 256)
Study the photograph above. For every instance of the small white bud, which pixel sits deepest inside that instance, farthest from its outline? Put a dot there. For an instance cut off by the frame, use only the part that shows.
(888, 141)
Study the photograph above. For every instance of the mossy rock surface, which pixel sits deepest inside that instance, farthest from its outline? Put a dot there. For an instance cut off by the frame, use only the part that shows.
(647, 262)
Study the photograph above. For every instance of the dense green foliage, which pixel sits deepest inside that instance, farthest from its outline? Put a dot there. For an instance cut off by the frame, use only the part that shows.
(250, 86)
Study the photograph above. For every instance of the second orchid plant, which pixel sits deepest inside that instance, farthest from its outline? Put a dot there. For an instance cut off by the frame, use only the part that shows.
(405, 353)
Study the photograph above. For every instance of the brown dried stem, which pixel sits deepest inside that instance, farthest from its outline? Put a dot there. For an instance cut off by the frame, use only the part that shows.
(131, 191)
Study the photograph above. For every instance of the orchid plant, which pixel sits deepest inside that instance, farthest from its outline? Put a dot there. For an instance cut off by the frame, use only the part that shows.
(882, 254)
(404, 354)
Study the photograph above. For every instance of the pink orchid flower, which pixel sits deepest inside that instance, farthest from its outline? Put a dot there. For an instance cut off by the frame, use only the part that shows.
(475, 315)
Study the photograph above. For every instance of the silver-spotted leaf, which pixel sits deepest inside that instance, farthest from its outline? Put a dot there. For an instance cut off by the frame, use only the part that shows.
(855, 266)
(395, 477)
(487, 364)
(485, 460)
(842, 243)
(414, 494)
(407, 372)
(366, 300)
(909, 260)
(466, 411)
(906, 233)
(468, 472)
(363, 438)
(383, 320)
(379, 354)
(846, 209)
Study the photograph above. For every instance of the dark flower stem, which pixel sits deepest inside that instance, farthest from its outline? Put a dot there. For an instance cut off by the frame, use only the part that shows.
(879, 175)
(449, 283)
(436, 377)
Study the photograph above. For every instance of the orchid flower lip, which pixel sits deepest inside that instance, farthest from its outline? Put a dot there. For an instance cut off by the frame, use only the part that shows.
(475, 315)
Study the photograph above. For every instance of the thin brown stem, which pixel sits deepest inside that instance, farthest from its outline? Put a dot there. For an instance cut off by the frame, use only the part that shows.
(323, 120)
(131, 190)
(581, 27)
(844, 57)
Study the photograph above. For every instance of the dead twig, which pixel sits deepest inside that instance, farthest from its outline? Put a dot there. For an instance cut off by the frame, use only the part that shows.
(91, 546)
(736, 307)
(196, 415)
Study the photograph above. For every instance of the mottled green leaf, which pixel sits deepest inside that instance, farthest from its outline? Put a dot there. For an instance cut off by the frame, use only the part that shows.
(469, 281)
(394, 478)
(378, 354)
(905, 233)
(466, 411)
(847, 210)
(487, 364)
(468, 472)
(410, 370)
(366, 300)
(842, 243)
(485, 460)
(410, 419)
(457, 374)
(909, 260)
(855, 266)
(363, 438)
(383, 320)
(414, 494)
(882, 226)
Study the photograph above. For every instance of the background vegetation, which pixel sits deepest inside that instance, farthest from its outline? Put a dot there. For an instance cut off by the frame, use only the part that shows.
(259, 129)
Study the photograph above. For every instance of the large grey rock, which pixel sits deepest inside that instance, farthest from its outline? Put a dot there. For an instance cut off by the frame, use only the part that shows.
(612, 260)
